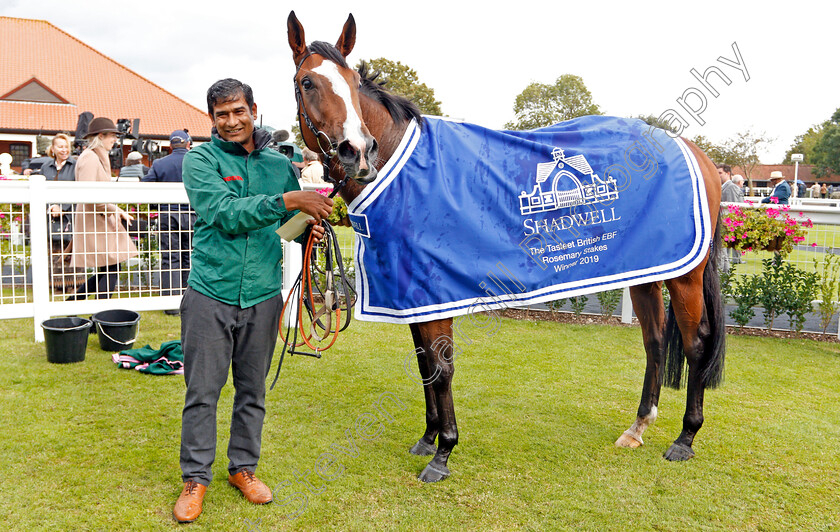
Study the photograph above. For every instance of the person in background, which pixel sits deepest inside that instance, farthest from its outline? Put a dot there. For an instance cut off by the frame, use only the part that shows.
(738, 179)
(133, 169)
(175, 221)
(313, 170)
(814, 190)
(60, 167)
(729, 191)
(824, 191)
(100, 239)
(732, 193)
(781, 189)
(34, 164)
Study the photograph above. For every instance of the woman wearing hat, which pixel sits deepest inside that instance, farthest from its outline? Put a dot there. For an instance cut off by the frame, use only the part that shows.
(100, 239)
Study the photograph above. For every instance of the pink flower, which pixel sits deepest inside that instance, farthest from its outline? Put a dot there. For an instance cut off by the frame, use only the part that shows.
(774, 199)
(813, 245)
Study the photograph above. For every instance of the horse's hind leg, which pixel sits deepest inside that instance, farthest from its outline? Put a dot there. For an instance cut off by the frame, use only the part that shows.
(425, 446)
(692, 319)
(649, 308)
(437, 353)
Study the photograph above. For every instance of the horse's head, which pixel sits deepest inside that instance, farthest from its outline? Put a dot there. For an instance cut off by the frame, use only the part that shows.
(327, 93)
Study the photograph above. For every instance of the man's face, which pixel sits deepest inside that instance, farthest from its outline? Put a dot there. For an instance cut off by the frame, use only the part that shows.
(235, 121)
(724, 176)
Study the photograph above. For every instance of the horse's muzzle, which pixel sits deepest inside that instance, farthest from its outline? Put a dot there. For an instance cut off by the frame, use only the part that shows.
(356, 166)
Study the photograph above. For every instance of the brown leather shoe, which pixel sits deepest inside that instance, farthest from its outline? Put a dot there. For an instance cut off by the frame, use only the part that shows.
(188, 507)
(251, 487)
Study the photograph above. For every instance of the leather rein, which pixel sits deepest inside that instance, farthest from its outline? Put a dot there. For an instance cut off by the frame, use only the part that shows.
(324, 322)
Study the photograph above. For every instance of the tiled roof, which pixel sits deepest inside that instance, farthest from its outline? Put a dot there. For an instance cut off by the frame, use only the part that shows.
(88, 80)
(761, 172)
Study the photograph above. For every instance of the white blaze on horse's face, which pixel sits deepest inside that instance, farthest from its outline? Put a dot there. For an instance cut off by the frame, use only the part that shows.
(352, 128)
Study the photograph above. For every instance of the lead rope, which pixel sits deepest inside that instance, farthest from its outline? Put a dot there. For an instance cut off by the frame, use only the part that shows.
(326, 320)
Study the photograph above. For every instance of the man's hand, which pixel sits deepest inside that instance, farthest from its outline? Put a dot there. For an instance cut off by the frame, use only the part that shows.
(55, 211)
(310, 202)
(317, 230)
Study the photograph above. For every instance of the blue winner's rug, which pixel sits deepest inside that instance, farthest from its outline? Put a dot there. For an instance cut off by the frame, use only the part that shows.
(465, 218)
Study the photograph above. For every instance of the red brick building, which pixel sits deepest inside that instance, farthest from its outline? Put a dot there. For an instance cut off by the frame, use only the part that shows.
(48, 77)
(761, 174)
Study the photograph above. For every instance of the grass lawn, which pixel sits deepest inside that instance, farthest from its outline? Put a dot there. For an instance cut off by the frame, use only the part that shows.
(88, 446)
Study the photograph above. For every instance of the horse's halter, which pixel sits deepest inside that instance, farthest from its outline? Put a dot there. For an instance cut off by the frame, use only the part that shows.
(327, 154)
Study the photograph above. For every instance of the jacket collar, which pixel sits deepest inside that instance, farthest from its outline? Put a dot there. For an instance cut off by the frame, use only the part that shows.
(262, 138)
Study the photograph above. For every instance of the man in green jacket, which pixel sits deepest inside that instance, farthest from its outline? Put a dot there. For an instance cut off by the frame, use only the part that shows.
(241, 191)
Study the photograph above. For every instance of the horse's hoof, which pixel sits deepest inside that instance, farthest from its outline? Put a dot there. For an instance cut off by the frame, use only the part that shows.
(628, 441)
(422, 448)
(679, 453)
(433, 473)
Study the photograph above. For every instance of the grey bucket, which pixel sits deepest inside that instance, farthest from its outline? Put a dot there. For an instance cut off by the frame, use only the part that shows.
(117, 329)
(66, 339)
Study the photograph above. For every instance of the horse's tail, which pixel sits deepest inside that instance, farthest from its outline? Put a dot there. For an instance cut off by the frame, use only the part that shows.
(714, 343)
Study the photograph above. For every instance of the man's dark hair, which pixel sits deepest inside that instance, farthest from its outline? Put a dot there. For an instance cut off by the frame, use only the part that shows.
(227, 90)
(726, 168)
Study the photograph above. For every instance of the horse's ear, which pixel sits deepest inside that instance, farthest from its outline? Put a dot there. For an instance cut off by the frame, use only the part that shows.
(347, 40)
(297, 40)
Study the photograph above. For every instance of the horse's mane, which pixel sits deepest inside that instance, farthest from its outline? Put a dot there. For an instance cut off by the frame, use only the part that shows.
(400, 108)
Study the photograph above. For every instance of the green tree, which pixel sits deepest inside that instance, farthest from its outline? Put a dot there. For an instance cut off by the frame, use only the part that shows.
(403, 80)
(805, 143)
(826, 154)
(716, 152)
(654, 121)
(542, 105)
(742, 150)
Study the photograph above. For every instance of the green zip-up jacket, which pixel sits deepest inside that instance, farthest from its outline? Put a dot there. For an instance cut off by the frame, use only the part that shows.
(238, 199)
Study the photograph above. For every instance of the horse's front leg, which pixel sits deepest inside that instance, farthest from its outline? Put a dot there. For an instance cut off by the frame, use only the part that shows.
(437, 352)
(649, 308)
(425, 446)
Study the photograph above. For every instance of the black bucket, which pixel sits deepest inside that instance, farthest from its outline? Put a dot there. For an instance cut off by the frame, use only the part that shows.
(66, 339)
(117, 329)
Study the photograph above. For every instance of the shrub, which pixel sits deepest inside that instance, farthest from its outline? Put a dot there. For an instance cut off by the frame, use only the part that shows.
(609, 301)
(746, 292)
(827, 288)
(578, 304)
(556, 305)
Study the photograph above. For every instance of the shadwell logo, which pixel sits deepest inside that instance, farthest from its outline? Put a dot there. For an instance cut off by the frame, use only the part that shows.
(566, 189)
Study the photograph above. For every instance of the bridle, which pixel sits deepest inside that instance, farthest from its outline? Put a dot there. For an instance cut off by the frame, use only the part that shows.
(303, 117)
(325, 322)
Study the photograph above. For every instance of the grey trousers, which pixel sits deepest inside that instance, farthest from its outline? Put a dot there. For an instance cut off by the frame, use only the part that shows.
(216, 337)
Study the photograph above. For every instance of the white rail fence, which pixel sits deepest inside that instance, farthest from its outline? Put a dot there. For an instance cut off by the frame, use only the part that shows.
(28, 282)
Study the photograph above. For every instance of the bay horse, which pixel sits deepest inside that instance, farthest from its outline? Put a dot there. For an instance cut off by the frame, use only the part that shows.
(356, 125)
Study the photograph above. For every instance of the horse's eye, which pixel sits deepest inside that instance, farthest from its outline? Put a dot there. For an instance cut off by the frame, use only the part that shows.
(306, 83)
